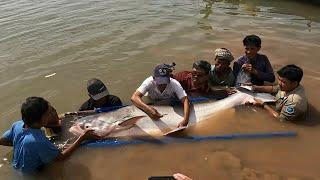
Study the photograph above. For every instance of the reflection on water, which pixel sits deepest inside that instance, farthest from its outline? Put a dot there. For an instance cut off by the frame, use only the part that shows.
(121, 41)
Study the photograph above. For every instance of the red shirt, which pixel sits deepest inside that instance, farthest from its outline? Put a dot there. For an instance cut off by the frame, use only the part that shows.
(185, 79)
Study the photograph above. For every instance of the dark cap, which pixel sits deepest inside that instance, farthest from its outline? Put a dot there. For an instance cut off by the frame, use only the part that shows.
(162, 74)
(96, 89)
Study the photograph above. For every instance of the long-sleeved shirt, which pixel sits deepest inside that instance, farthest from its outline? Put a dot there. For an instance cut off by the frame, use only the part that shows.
(261, 63)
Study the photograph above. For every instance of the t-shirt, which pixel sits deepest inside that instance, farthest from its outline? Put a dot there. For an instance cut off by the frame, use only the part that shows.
(31, 149)
(292, 106)
(214, 80)
(185, 79)
(261, 63)
(173, 90)
(111, 101)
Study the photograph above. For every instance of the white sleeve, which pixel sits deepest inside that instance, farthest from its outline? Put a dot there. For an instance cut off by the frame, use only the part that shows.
(143, 89)
(178, 89)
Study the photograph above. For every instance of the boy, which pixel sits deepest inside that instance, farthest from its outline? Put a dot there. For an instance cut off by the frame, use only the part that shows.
(221, 73)
(256, 66)
(195, 81)
(292, 103)
(161, 87)
(32, 150)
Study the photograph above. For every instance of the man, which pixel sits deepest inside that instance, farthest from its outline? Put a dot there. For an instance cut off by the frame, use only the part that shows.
(31, 149)
(161, 87)
(99, 96)
(221, 73)
(253, 67)
(195, 81)
(291, 101)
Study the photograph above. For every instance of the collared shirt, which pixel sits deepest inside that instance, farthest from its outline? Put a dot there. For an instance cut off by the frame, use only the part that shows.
(172, 91)
(185, 79)
(214, 80)
(293, 105)
(261, 63)
(31, 149)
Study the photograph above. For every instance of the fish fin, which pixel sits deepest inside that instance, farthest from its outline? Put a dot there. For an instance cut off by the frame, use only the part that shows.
(175, 131)
(131, 121)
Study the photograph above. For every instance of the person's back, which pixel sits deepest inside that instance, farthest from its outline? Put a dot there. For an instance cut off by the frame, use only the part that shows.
(32, 150)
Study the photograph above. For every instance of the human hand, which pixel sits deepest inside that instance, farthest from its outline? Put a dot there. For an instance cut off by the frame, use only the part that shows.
(248, 68)
(89, 134)
(179, 176)
(183, 123)
(154, 114)
(231, 90)
(258, 102)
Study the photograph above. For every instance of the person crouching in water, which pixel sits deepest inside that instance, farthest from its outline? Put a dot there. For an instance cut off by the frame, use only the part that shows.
(221, 77)
(161, 87)
(99, 96)
(195, 82)
(221, 73)
(31, 149)
(291, 101)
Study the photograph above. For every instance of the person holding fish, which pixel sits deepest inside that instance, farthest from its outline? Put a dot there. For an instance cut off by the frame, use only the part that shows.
(161, 87)
(253, 67)
(291, 101)
(31, 148)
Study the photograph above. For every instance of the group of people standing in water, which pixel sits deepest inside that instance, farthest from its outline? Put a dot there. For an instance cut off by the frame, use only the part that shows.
(32, 150)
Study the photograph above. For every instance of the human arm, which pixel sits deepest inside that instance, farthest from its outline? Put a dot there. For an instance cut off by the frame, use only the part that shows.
(186, 111)
(267, 107)
(266, 74)
(265, 89)
(87, 134)
(5, 142)
(150, 111)
(7, 138)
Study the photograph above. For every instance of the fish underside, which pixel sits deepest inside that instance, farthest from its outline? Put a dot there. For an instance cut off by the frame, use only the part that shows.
(130, 121)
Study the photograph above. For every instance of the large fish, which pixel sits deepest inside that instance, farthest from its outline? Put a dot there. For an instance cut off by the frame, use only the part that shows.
(131, 121)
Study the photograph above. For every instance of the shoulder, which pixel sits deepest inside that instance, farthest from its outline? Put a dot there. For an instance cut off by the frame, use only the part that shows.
(240, 59)
(19, 124)
(148, 80)
(114, 99)
(34, 137)
(86, 105)
(180, 76)
(262, 57)
(174, 82)
(298, 96)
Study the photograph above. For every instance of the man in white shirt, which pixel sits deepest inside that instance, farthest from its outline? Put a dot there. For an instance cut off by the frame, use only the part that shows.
(161, 87)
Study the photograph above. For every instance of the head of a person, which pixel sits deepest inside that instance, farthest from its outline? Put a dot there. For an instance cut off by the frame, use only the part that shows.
(201, 71)
(97, 91)
(289, 77)
(252, 45)
(37, 112)
(223, 58)
(161, 76)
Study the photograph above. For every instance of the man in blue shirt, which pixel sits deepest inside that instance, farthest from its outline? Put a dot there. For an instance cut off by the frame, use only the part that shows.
(32, 150)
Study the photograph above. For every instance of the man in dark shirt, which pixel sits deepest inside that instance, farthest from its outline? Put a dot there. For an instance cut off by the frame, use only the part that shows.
(99, 96)
(256, 66)
(195, 81)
